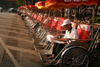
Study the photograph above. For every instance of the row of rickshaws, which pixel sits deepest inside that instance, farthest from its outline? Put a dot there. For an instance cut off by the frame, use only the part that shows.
(41, 22)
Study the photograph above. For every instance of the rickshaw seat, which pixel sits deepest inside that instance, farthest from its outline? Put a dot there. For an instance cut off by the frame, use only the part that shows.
(38, 17)
(86, 29)
(32, 15)
(54, 23)
(35, 16)
(60, 21)
(41, 18)
(46, 22)
(49, 22)
(58, 26)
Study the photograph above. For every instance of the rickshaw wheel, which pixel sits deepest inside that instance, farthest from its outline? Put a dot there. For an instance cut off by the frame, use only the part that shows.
(96, 49)
(75, 57)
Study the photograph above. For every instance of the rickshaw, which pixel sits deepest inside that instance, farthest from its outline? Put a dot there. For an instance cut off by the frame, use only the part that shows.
(76, 53)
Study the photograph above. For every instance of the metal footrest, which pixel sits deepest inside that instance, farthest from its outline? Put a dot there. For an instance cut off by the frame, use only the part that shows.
(45, 52)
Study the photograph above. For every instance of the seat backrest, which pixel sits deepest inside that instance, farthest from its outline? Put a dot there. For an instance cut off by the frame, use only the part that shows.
(60, 21)
(38, 17)
(86, 29)
(35, 16)
(41, 18)
(54, 23)
(32, 15)
(49, 22)
(58, 26)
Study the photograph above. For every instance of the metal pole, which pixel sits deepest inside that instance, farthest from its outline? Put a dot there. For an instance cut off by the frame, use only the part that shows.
(93, 20)
(25, 2)
(32, 2)
(70, 14)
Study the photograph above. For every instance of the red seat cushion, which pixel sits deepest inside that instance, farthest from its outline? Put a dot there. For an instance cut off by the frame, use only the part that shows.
(86, 29)
(41, 18)
(32, 15)
(58, 25)
(49, 23)
(35, 16)
(54, 23)
(38, 17)
(60, 21)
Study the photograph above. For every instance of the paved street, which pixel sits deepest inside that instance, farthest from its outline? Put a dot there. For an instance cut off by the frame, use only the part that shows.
(16, 45)
(17, 41)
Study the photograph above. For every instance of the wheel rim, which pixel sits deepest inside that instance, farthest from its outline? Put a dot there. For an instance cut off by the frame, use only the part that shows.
(96, 49)
(76, 57)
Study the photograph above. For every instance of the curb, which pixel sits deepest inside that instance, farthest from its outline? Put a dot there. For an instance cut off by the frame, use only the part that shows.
(1, 53)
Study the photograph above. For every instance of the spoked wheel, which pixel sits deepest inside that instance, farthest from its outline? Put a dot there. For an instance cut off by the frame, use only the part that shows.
(75, 57)
(96, 49)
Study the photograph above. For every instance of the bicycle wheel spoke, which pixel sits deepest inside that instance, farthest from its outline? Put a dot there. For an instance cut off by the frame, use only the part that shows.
(76, 57)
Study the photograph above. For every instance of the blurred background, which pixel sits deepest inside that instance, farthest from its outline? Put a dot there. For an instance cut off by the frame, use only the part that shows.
(5, 4)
